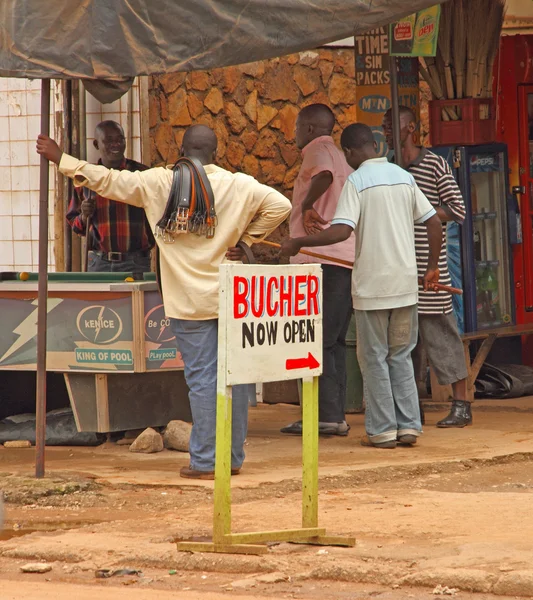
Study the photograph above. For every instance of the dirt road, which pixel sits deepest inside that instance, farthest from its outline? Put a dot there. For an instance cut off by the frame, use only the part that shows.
(454, 512)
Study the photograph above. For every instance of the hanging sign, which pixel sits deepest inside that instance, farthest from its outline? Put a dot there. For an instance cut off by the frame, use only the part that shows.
(415, 35)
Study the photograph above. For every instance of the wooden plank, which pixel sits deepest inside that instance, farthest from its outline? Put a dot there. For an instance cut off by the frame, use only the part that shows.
(328, 540)
(510, 331)
(102, 403)
(480, 358)
(72, 403)
(310, 452)
(282, 535)
(221, 548)
(439, 393)
(137, 309)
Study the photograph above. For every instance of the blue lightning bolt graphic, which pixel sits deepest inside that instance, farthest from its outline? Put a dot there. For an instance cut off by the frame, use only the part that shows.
(28, 328)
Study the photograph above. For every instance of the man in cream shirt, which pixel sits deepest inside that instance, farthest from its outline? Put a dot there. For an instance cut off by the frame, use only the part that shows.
(247, 211)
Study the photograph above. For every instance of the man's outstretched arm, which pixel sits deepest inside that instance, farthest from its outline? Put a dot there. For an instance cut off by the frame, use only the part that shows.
(332, 235)
(138, 188)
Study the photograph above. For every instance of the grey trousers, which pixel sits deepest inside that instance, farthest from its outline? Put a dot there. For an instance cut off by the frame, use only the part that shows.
(385, 340)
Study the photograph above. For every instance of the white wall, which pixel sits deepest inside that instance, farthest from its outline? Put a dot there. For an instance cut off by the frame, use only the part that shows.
(19, 164)
(20, 106)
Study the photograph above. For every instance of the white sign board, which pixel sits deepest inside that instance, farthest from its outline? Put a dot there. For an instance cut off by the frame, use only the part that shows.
(270, 322)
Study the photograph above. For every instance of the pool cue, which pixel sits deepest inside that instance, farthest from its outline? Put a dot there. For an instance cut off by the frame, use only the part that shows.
(87, 234)
(436, 286)
(347, 263)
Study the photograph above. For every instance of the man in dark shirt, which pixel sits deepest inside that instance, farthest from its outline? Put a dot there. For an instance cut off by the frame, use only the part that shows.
(120, 238)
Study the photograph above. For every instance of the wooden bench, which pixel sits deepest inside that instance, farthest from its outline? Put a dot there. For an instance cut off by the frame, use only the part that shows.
(442, 393)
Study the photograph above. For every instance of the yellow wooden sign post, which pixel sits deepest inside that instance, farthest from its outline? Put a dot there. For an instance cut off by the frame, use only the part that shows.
(287, 302)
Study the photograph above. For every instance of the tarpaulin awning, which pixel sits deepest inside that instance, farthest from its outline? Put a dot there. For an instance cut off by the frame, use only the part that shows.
(112, 39)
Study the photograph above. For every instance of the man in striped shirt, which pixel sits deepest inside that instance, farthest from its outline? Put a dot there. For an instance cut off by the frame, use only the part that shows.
(437, 324)
(120, 238)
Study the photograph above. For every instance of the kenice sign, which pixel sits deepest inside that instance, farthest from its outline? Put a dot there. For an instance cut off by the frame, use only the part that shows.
(272, 320)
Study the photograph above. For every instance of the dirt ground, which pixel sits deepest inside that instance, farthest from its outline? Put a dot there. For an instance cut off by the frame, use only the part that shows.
(453, 511)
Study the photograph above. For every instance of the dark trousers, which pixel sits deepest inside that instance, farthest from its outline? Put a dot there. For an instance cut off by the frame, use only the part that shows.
(337, 300)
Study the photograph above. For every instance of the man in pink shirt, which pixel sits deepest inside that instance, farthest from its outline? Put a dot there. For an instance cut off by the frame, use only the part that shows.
(316, 193)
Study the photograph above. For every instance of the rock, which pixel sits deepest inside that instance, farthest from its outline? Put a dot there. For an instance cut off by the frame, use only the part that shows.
(326, 69)
(153, 110)
(309, 58)
(36, 568)
(18, 444)
(177, 108)
(171, 82)
(243, 584)
(347, 116)
(221, 131)
(163, 106)
(235, 153)
(254, 69)
(237, 121)
(265, 114)
(124, 442)
(206, 119)
(163, 143)
(230, 79)
(272, 577)
(517, 583)
(308, 80)
(290, 176)
(195, 105)
(177, 435)
(289, 153)
(250, 165)
(149, 441)
(341, 90)
(278, 84)
(198, 80)
(272, 172)
(241, 93)
(286, 121)
(249, 139)
(292, 59)
(250, 107)
(214, 101)
(266, 145)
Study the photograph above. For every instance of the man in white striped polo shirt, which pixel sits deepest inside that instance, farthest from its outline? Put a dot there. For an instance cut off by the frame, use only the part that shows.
(436, 322)
(382, 203)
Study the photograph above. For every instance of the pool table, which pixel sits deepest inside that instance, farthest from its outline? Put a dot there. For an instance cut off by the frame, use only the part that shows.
(107, 333)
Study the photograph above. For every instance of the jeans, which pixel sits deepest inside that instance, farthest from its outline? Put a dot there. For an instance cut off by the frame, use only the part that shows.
(198, 343)
(385, 340)
(337, 302)
(134, 264)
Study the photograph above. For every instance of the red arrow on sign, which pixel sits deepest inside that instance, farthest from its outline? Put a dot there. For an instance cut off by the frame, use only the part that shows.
(302, 363)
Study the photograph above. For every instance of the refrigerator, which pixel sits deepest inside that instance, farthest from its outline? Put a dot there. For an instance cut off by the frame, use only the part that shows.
(480, 251)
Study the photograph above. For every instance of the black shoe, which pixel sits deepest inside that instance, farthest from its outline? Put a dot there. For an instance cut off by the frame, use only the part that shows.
(341, 428)
(460, 415)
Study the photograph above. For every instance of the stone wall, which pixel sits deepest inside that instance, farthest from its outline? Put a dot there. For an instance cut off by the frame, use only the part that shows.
(253, 110)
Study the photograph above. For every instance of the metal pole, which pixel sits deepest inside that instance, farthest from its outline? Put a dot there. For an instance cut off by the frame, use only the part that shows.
(67, 183)
(395, 104)
(42, 294)
(83, 156)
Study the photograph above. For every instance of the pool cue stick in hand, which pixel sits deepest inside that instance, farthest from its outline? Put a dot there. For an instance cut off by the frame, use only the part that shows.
(87, 235)
(346, 263)
(437, 286)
